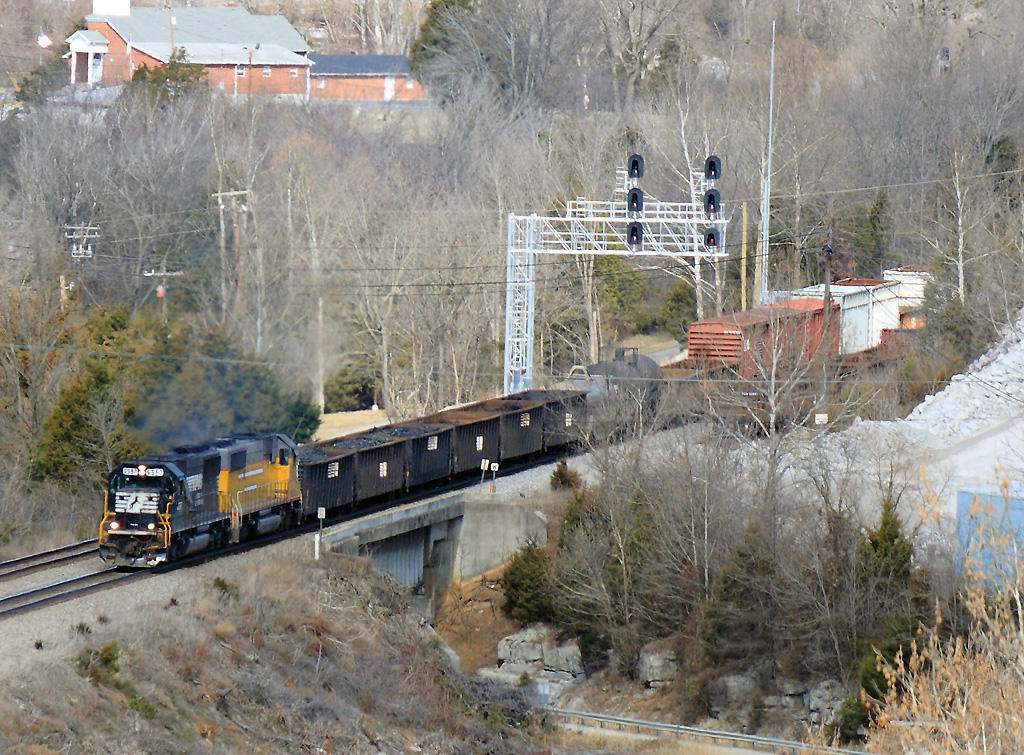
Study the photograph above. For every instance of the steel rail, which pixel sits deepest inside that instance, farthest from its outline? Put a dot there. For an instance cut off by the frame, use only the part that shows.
(375, 506)
(65, 589)
(637, 726)
(34, 561)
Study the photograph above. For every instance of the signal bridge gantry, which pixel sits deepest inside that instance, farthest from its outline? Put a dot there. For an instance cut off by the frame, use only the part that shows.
(691, 234)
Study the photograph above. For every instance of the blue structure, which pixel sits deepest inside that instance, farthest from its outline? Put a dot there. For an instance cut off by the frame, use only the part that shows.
(989, 531)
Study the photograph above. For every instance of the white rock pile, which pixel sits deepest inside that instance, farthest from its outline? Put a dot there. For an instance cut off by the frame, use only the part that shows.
(989, 393)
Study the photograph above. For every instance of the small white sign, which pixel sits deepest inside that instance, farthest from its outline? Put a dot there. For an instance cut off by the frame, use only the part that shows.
(821, 419)
(494, 467)
(484, 464)
(321, 512)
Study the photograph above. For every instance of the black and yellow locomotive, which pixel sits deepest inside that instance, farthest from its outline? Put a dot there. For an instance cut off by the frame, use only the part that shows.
(162, 507)
(165, 506)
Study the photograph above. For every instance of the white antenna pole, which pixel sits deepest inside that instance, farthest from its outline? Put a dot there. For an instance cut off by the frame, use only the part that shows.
(767, 190)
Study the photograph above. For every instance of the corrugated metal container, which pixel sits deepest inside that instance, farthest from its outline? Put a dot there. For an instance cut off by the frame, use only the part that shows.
(477, 435)
(749, 342)
(563, 410)
(428, 449)
(326, 478)
(379, 463)
(522, 426)
(912, 282)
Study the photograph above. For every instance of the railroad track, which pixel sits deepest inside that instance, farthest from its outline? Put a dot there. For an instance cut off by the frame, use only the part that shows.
(65, 589)
(18, 567)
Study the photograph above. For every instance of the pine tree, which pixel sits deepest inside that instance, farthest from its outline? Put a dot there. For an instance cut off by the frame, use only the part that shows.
(885, 553)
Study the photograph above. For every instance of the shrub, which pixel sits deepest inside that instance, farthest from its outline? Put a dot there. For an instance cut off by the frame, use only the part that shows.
(102, 668)
(527, 587)
(562, 477)
(225, 588)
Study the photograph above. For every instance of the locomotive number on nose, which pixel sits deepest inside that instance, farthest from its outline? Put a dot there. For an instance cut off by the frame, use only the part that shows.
(142, 471)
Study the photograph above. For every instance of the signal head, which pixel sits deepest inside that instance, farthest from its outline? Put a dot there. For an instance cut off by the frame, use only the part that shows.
(712, 202)
(635, 234)
(635, 166)
(635, 201)
(713, 168)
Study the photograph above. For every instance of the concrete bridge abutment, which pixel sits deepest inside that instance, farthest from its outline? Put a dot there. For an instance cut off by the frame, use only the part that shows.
(429, 545)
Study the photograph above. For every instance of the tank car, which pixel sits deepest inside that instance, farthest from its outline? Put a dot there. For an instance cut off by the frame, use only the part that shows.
(161, 507)
(620, 392)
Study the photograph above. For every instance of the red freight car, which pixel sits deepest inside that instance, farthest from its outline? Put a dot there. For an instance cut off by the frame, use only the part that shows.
(752, 342)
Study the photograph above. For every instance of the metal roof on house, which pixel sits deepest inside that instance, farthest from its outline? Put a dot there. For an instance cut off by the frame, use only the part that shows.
(209, 54)
(203, 26)
(359, 65)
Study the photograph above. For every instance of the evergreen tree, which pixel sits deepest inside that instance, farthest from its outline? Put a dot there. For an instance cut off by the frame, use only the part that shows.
(870, 235)
(171, 81)
(434, 38)
(527, 587)
(738, 627)
(885, 552)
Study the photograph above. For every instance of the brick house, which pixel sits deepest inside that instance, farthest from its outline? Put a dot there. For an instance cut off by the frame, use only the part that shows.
(378, 78)
(242, 54)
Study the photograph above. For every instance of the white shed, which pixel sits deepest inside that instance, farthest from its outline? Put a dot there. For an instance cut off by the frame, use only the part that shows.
(912, 281)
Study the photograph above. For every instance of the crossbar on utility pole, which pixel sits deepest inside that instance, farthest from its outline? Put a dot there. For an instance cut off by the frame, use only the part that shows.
(81, 237)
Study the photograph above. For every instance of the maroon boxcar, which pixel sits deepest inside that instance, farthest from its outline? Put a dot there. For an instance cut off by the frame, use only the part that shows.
(753, 342)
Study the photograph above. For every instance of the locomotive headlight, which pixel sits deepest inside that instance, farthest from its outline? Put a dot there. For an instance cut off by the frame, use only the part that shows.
(151, 526)
(114, 525)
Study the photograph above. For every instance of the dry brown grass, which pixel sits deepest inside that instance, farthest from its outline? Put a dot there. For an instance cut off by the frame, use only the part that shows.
(297, 656)
(471, 621)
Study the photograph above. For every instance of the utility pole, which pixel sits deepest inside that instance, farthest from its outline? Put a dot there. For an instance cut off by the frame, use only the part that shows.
(233, 196)
(170, 27)
(743, 262)
(766, 191)
(826, 315)
(81, 237)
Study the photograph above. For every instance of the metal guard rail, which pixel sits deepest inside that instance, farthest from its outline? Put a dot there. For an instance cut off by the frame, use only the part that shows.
(656, 728)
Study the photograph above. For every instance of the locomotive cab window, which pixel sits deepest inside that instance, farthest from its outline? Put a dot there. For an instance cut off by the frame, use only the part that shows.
(237, 461)
(283, 457)
(121, 481)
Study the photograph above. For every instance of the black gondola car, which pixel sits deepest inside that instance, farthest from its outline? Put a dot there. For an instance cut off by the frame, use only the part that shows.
(327, 479)
(521, 425)
(476, 436)
(427, 449)
(563, 410)
(379, 463)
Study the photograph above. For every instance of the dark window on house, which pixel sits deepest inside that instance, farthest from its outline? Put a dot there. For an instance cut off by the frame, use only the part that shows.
(266, 72)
